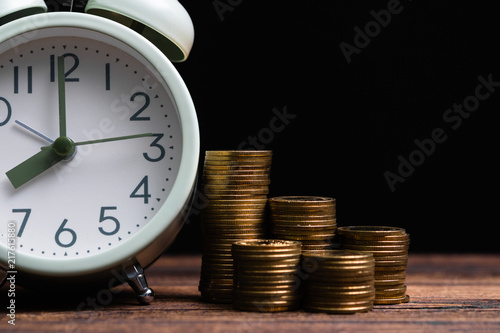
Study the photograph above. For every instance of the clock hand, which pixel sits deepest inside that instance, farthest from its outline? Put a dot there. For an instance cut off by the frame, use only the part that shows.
(32, 130)
(33, 166)
(119, 138)
(62, 148)
(61, 81)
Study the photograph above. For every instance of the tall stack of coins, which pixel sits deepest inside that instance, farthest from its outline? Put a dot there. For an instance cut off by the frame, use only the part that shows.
(389, 246)
(265, 275)
(308, 219)
(236, 184)
(339, 281)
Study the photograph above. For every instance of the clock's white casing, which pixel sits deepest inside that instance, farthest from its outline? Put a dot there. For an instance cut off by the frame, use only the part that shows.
(164, 22)
(153, 239)
(20, 8)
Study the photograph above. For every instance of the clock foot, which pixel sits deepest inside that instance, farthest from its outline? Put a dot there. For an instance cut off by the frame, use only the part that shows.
(134, 274)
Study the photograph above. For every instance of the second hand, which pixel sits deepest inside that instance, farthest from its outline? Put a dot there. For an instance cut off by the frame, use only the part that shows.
(34, 131)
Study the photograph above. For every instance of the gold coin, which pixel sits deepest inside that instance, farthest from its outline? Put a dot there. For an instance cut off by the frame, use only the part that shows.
(238, 153)
(241, 201)
(304, 231)
(343, 276)
(250, 258)
(236, 180)
(302, 200)
(258, 280)
(325, 258)
(372, 233)
(228, 170)
(263, 164)
(325, 294)
(265, 271)
(339, 307)
(340, 287)
(237, 157)
(232, 208)
(236, 177)
(316, 247)
(364, 247)
(299, 215)
(235, 221)
(390, 292)
(276, 264)
(232, 193)
(347, 237)
(318, 236)
(362, 242)
(398, 282)
(224, 169)
(388, 301)
(211, 189)
(301, 212)
(214, 215)
(266, 293)
(263, 244)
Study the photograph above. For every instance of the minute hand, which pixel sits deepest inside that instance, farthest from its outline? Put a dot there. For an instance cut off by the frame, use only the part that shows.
(118, 138)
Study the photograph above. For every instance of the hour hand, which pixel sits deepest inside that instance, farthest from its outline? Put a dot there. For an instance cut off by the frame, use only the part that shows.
(33, 167)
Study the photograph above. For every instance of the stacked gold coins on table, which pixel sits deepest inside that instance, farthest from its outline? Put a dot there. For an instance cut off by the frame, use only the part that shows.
(308, 219)
(339, 281)
(265, 275)
(236, 184)
(389, 246)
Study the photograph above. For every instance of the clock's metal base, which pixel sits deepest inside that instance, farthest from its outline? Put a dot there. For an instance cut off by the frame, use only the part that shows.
(134, 275)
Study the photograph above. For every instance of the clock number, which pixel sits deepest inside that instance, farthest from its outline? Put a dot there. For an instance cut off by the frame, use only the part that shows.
(160, 147)
(68, 72)
(27, 213)
(62, 230)
(135, 116)
(16, 80)
(105, 218)
(145, 194)
(9, 112)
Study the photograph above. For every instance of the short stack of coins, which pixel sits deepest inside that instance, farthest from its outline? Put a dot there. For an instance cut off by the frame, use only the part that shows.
(236, 185)
(389, 246)
(339, 281)
(308, 219)
(265, 275)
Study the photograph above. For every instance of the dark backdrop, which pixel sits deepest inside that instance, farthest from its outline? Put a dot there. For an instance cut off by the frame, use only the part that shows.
(358, 107)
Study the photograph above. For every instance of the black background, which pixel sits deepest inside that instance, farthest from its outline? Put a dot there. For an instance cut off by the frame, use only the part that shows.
(354, 121)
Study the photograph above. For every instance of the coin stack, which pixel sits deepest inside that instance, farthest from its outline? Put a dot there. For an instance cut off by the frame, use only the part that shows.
(236, 184)
(340, 281)
(308, 219)
(265, 275)
(389, 246)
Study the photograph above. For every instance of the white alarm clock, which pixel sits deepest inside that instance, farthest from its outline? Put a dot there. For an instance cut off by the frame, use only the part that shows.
(99, 142)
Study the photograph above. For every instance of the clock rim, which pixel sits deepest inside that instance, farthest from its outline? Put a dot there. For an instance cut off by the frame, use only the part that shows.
(145, 245)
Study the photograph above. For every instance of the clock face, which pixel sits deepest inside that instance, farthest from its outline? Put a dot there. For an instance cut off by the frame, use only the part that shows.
(107, 192)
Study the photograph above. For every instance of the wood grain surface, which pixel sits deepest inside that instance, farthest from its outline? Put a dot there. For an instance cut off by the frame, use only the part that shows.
(449, 293)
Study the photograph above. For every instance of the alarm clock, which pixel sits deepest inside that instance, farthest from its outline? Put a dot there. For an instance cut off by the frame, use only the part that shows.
(99, 142)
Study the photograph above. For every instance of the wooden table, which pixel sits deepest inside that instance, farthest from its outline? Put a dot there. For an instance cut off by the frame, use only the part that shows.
(456, 293)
